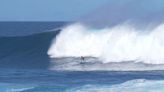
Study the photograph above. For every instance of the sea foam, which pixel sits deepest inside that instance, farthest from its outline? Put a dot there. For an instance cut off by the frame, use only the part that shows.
(138, 85)
(115, 44)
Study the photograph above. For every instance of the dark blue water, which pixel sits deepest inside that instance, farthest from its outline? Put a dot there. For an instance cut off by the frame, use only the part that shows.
(61, 81)
(28, 28)
(25, 44)
(26, 51)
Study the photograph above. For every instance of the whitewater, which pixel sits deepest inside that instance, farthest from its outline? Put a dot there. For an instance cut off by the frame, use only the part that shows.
(116, 44)
(140, 85)
(123, 45)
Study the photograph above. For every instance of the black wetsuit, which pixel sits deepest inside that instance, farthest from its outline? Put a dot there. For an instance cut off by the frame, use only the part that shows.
(82, 58)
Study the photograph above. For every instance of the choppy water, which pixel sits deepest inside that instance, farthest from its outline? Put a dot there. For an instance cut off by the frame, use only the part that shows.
(13, 80)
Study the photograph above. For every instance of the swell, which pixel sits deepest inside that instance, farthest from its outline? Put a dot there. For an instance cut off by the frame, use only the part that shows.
(26, 51)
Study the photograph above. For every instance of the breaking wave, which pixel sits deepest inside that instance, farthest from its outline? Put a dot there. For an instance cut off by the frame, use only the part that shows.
(121, 43)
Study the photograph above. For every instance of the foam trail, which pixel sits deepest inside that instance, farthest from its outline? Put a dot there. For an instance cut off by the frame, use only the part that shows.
(116, 44)
(138, 85)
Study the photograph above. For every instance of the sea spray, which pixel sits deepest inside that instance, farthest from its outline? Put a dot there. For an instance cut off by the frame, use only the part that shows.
(115, 44)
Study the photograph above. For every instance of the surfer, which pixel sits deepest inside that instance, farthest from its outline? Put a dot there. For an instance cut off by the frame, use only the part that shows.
(82, 60)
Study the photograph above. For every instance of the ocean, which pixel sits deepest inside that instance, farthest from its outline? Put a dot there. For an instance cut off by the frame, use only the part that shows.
(59, 57)
(29, 80)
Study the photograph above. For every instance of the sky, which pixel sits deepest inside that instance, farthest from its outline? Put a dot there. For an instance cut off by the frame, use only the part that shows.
(46, 10)
(101, 11)
(138, 12)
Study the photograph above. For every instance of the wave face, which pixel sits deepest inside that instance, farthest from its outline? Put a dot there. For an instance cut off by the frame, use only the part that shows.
(138, 85)
(26, 51)
(117, 44)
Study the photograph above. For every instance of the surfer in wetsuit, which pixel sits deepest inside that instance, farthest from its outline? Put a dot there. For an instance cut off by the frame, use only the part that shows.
(82, 58)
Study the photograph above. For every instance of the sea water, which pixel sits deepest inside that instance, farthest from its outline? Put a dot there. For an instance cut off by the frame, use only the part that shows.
(13, 80)
(118, 59)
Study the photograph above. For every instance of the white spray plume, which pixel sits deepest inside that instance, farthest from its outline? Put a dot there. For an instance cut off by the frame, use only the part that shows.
(116, 44)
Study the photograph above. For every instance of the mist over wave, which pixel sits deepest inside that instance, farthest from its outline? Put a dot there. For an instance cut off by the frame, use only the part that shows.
(116, 44)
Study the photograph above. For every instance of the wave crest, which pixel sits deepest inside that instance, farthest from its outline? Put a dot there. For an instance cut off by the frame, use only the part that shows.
(116, 44)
